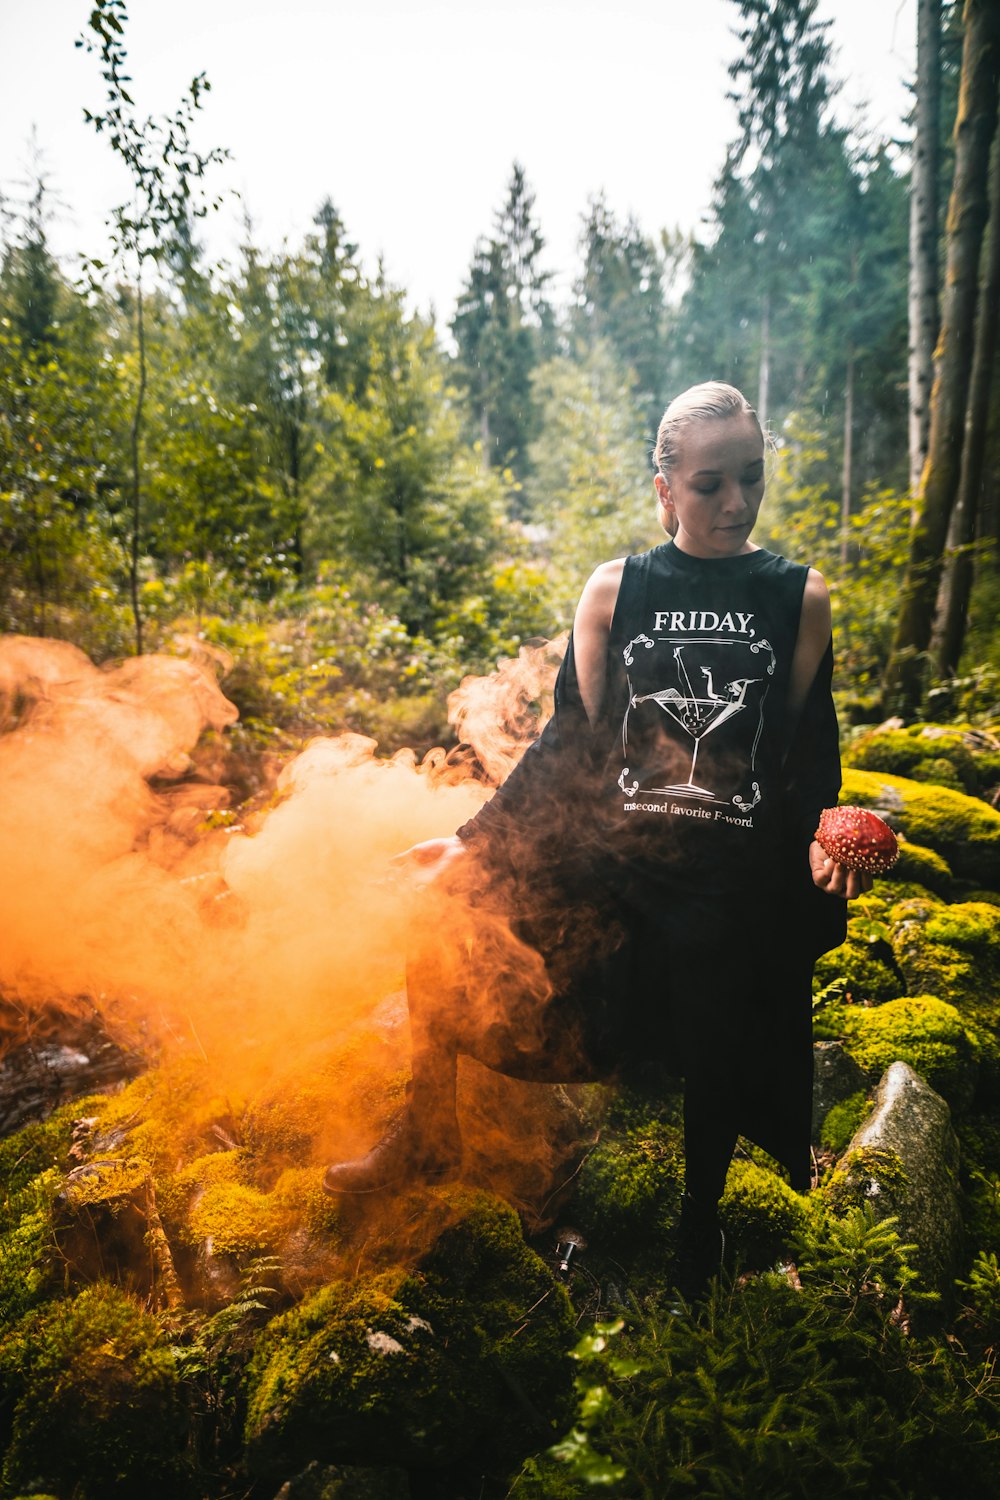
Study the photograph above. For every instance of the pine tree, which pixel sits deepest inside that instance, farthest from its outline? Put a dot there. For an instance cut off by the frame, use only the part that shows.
(503, 326)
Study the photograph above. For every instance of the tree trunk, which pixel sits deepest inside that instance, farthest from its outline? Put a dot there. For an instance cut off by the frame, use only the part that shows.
(136, 447)
(848, 471)
(923, 298)
(967, 214)
(957, 585)
(764, 380)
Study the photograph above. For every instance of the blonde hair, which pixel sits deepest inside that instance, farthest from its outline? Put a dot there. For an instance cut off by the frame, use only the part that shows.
(706, 402)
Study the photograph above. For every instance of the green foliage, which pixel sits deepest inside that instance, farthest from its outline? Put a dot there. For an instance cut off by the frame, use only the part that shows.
(802, 518)
(590, 490)
(97, 1405)
(503, 326)
(809, 1392)
(620, 304)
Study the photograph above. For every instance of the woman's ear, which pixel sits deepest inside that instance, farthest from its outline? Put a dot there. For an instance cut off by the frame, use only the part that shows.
(665, 505)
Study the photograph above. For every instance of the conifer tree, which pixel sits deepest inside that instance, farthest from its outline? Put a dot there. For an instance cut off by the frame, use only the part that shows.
(503, 326)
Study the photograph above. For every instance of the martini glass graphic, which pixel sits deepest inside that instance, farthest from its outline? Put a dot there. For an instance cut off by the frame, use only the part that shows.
(697, 714)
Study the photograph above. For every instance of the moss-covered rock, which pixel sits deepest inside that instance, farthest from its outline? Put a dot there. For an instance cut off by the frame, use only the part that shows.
(963, 830)
(867, 969)
(922, 752)
(836, 1078)
(952, 952)
(424, 1365)
(863, 1175)
(629, 1190)
(32, 1168)
(903, 1162)
(761, 1215)
(97, 1407)
(924, 1032)
(918, 866)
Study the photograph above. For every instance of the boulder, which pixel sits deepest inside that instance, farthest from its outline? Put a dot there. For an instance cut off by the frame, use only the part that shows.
(952, 952)
(964, 831)
(836, 1076)
(904, 1161)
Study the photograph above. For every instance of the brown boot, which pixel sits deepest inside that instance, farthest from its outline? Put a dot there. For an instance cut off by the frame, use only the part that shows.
(423, 1144)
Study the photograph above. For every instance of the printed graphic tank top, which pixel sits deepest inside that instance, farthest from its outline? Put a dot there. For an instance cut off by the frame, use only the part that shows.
(700, 655)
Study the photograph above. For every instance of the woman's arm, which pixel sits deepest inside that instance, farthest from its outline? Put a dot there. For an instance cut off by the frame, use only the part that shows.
(815, 628)
(591, 629)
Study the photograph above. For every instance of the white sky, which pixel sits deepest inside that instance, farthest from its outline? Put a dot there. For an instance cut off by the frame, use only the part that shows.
(409, 113)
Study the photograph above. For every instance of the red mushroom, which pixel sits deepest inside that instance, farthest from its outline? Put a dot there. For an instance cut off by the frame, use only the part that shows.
(857, 839)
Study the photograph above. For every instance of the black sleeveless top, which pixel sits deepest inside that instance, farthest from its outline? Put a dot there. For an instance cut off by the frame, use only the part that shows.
(688, 787)
(699, 661)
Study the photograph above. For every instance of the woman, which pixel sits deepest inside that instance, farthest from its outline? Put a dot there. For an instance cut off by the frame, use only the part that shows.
(664, 819)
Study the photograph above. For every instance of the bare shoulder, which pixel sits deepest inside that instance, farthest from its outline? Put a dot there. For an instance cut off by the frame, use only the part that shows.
(816, 614)
(600, 594)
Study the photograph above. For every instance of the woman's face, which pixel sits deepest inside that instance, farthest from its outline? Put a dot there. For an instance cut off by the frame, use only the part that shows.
(709, 501)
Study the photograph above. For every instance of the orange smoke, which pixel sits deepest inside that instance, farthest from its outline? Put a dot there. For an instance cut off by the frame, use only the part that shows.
(498, 715)
(111, 889)
(250, 946)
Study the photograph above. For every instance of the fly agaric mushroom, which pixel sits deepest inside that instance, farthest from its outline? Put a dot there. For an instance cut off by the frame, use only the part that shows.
(857, 839)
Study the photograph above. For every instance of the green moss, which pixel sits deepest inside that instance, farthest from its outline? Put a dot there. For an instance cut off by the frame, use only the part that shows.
(922, 752)
(917, 865)
(953, 952)
(32, 1167)
(972, 925)
(630, 1187)
(427, 1365)
(866, 969)
(365, 1083)
(920, 1030)
(761, 1215)
(863, 1174)
(97, 1405)
(28, 1259)
(235, 1219)
(842, 1121)
(963, 830)
(107, 1181)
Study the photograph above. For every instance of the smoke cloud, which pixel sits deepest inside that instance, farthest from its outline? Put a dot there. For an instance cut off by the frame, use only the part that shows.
(260, 947)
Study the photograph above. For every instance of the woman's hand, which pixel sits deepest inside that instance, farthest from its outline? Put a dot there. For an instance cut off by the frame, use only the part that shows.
(836, 879)
(431, 859)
